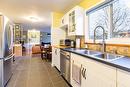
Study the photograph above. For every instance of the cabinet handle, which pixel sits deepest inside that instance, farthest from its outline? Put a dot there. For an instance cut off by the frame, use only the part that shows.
(85, 73)
(55, 51)
(68, 56)
(82, 72)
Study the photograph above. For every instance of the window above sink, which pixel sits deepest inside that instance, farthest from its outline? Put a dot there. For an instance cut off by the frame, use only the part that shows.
(114, 16)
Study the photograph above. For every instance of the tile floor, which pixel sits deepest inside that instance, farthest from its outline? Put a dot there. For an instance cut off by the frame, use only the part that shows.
(34, 72)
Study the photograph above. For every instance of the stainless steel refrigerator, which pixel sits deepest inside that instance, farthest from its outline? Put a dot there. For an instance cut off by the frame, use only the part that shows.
(6, 50)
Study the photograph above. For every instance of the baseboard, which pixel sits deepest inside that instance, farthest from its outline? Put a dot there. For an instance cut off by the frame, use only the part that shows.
(63, 77)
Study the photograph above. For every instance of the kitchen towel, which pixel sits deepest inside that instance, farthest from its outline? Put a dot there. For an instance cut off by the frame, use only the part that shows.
(76, 73)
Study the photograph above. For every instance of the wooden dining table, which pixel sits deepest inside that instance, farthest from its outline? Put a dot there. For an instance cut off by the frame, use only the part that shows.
(46, 52)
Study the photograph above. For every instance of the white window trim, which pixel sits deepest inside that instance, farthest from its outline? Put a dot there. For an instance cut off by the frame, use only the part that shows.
(109, 40)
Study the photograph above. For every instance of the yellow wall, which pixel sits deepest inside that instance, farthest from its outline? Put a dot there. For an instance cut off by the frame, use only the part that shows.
(89, 3)
(56, 19)
(56, 16)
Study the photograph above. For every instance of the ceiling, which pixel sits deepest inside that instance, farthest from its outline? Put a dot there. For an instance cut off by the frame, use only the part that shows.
(19, 10)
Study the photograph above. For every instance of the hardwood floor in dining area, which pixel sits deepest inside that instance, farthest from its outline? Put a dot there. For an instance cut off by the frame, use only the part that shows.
(32, 71)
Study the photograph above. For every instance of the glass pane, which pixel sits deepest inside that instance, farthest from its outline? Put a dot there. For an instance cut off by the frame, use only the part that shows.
(99, 18)
(72, 22)
(121, 19)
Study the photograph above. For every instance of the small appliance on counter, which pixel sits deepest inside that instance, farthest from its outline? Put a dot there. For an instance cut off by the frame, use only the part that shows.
(73, 44)
(67, 42)
(78, 42)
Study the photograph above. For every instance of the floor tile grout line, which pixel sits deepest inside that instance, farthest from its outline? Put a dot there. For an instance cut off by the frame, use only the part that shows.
(28, 77)
(27, 63)
(16, 79)
(16, 75)
(49, 75)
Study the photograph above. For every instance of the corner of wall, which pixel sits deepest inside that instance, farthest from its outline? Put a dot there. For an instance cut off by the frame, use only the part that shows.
(56, 17)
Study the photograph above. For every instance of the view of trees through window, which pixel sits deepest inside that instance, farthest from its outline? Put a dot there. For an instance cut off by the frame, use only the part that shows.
(98, 18)
(115, 19)
(121, 19)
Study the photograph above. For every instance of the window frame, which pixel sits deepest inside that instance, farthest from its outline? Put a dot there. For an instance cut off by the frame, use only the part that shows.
(98, 6)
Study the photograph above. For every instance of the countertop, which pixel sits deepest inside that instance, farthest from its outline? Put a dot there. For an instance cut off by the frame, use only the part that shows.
(17, 44)
(122, 63)
(58, 46)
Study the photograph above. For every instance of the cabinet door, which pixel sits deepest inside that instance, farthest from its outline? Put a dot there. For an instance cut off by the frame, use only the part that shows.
(75, 62)
(83, 75)
(99, 75)
(123, 78)
(58, 58)
(65, 20)
(53, 56)
(76, 21)
(93, 73)
(72, 25)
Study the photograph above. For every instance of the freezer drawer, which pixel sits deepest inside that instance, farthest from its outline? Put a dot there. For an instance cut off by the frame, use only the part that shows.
(7, 68)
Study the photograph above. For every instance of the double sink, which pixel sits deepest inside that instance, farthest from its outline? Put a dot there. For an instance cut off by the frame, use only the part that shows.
(99, 55)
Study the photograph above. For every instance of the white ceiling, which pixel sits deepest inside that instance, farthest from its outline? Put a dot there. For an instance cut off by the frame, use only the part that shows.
(17, 10)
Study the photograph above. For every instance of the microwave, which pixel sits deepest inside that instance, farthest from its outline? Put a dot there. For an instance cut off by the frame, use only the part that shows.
(65, 42)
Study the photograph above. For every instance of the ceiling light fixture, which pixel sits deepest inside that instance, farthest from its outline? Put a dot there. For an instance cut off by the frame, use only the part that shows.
(34, 19)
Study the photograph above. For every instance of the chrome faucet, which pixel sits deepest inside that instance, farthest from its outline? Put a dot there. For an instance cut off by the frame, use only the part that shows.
(103, 40)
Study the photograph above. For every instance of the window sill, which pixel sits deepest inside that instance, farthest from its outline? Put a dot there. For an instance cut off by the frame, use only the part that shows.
(113, 42)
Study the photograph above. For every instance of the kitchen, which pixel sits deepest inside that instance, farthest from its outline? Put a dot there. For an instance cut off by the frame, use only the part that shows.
(100, 57)
(89, 39)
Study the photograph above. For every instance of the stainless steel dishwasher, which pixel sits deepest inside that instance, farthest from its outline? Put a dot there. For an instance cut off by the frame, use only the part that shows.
(65, 64)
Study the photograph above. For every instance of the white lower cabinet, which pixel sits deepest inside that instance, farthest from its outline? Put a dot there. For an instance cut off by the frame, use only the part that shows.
(123, 78)
(93, 73)
(99, 75)
(75, 62)
(83, 76)
(56, 57)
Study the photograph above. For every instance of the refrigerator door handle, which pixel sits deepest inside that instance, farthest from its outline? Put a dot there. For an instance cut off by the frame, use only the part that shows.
(9, 57)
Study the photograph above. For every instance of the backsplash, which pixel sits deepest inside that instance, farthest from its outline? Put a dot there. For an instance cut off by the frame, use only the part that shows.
(122, 50)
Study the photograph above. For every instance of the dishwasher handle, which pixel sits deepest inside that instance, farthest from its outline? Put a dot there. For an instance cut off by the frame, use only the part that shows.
(66, 56)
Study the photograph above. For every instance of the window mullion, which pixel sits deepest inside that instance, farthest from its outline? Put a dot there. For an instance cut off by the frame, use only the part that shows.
(110, 21)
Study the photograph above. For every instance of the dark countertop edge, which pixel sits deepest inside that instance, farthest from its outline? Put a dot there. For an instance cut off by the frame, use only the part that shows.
(102, 61)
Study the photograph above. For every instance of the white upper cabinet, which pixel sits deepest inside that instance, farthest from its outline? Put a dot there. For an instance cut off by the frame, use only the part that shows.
(76, 21)
(65, 21)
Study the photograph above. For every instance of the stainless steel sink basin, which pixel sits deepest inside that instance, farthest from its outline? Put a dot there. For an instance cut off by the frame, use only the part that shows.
(108, 56)
(99, 55)
(88, 52)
